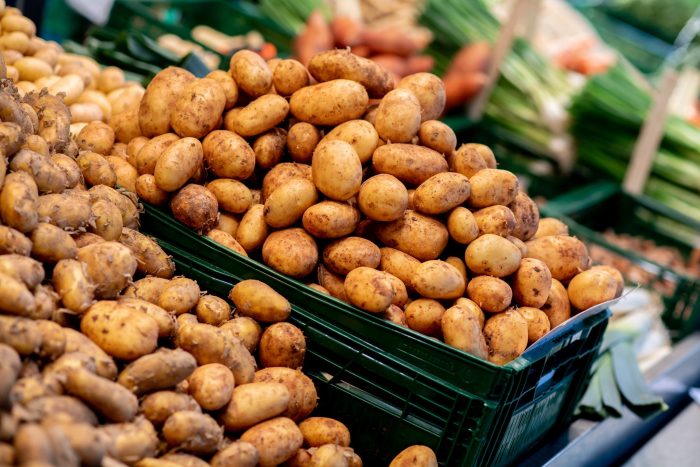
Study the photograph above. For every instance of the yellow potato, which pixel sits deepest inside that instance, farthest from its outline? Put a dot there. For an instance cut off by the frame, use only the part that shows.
(617, 275)
(289, 76)
(493, 255)
(400, 291)
(276, 440)
(126, 174)
(537, 323)
(491, 187)
(69, 168)
(158, 406)
(281, 173)
(85, 112)
(230, 194)
(383, 198)
(250, 72)
(165, 320)
(472, 308)
(496, 220)
(424, 315)
(415, 456)
(158, 102)
(148, 155)
(531, 283)
(519, 243)
(564, 256)
(302, 139)
(462, 225)
(111, 400)
(19, 200)
(459, 265)
(527, 216)
(399, 264)
(360, 134)
(196, 207)
(330, 103)
(336, 170)
(198, 108)
(269, 148)
(128, 99)
(462, 330)
(590, 288)
(211, 386)
(229, 86)
(245, 329)
(238, 453)
(109, 265)
(282, 345)
(331, 219)
(396, 315)
(286, 205)
(31, 69)
(96, 169)
(48, 176)
(178, 163)
(437, 136)
(551, 226)
(341, 63)
(557, 307)
(420, 236)
(73, 286)
(333, 283)
(52, 244)
(409, 163)
(506, 336)
(344, 255)
(292, 252)
(369, 289)
(90, 96)
(438, 279)
(430, 91)
(110, 78)
(258, 300)
(262, 114)
(125, 126)
(318, 431)
(471, 158)
(302, 392)
(491, 294)
(179, 296)
(193, 432)
(398, 116)
(441, 192)
(146, 188)
(71, 84)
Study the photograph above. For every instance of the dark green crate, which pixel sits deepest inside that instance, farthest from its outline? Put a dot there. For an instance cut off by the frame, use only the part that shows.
(592, 209)
(394, 387)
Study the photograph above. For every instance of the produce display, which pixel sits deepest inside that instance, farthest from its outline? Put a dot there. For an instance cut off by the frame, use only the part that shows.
(383, 212)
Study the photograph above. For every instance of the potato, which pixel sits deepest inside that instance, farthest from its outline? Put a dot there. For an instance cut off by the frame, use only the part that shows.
(120, 331)
(71, 84)
(491, 294)
(134, 147)
(84, 440)
(157, 407)
(551, 226)
(369, 289)
(90, 96)
(292, 252)
(276, 440)
(415, 456)
(13, 241)
(230, 194)
(52, 244)
(254, 402)
(185, 460)
(48, 176)
(245, 329)
(342, 64)
(198, 108)
(166, 321)
(33, 445)
(111, 400)
(9, 371)
(519, 243)
(472, 309)
(109, 266)
(228, 85)
(147, 157)
(126, 202)
(471, 158)
(437, 136)
(398, 116)
(238, 453)
(282, 345)
(178, 163)
(441, 192)
(286, 205)
(213, 310)
(330, 219)
(491, 187)
(617, 275)
(398, 264)
(229, 223)
(211, 386)
(261, 115)
(258, 300)
(289, 76)
(250, 72)
(22, 268)
(18, 202)
(506, 335)
(302, 139)
(430, 92)
(77, 342)
(336, 170)
(196, 207)
(420, 236)
(302, 393)
(146, 188)
(96, 137)
(221, 347)
(107, 220)
(269, 148)
(330, 103)
(527, 216)
(564, 256)
(127, 442)
(591, 288)
(151, 258)
(126, 125)
(537, 323)
(35, 143)
(96, 169)
(531, 283)
(281, 173)
(344, 255)
(148, 289)
(318, 431)
(14, 40)
(159, 100)
(360, 134)
(496, 220)
(160, 370)
(125, 173)
(179, 296)
(65, 211)
(334, 284)
(383, 198)
(69, 167)
(493, 255)
(192, 431)
(438, 279)
(424, 315)
(409, 163)
(128, 100)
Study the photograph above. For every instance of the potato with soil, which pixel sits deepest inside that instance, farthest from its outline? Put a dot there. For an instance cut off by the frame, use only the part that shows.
(48, 175)
(472, 309)
(96, 137)
(336, 170)
(65, 210)
(302, 392)
(258, 300)
(438, 279)
(227, 155)
(318, 431)
(425, 315)
(196, 207)
(302, 139)
(282, 345)
(286, 205)
(493, 255)
(383, 198)
(269, 148)
(292, 252)
(18, 202)
(166, 321)
(211, 386)
(398, 116)
(430, 92)
(462, 225)
(193, 432)
(253, 403)
(341, 63)
(289, 76)
(127, 442)
(344, 255)
(52, 244)
(531, 283)
(369, 289)
(276, 440)
(126, 174)
(198, 108)
(592, 287)
(96, 169)
(281, 173)
(150, 152)
(213, 310)
(491, 294)
(150, 257)
(264, 113)
(109, 266)
(179, 296)
(330, 219)
(527, 216)
(109, 399)
(506, 336)
(437, 136)
(491, 187)
(107, 220)
(360, 134)
(564, 256)
(126, 126)
(178, 163)
(409, 163)
(420, 236)
(238, 453)
(330, 103)
(537, 323)
(496, 220)
(77, 342)
(157, 407)
(23, 268)
(617, 275)
(441, 193)
(250, 72)
(415, 456)
(160, 370)
(551, 226)
(159, 100)
(245, 329)
(120, 331)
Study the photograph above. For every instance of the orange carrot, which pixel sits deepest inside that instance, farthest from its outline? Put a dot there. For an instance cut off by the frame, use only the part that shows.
(461, 88)
(471, 58)
(419, 63)
(393, 63)
(346, 31)
(268, 51)
(316, 37)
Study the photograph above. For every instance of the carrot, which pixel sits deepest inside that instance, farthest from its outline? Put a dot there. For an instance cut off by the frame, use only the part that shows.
(268, 51)
(399, 41)
(346, 31)
(419, 63)
(361, 50)
(461, 88)
(392, 63)
(471, 58)
(316, 37)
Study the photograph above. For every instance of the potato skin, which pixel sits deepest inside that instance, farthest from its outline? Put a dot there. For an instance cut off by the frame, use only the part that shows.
(238, 453)
(360, 134)
(213, 310)
(281, 173)
(211, 385)
(537, 323)
(491, 294)
(287, 204)
(527, 216)
(259, 301)
(330, 219)
(178, 163)
(97, 137)
(289, 76)
(425, 315)
(78, 342)
(420, 236)
(108, 221)
(398, 116)
(493, 255)
(250, 72)
(441, 192)
(430, 92)
(263, 114)
(269, 147)
(151, 258)
(147, 157)
(437, 136)
(415, 456)
(564, 256)
(409, 163)
(47, 175)
(160, 370)
(369, 289)
(198, 108)
(147, 189)
(341, 63)
(179, 296)
(254, 402)
(196, 207)
(344, 255)
(318, 431)
(282, 345)
(591, 287)
(130, 441)
(148, 289)
(506, 336)
(302, 392)
(158, 406)
(158, 102)
(193, 432)
(276, 440)
(292, 252)
(336, 170)
(617, 275)
(18, 202)
(438, 279)
(531, 283)
(109, 265)
(302, 139)
(551, 226)
(496, 220)
(491, 187)
(383, 198)
(330, 103)
(228, 155)
(470, 158)
(111, 400)
(52, 244)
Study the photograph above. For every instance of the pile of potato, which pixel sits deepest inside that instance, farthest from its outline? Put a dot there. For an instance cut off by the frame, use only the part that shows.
(354, 186)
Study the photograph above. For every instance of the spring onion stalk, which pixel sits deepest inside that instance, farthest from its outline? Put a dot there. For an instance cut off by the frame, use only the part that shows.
(291, 15)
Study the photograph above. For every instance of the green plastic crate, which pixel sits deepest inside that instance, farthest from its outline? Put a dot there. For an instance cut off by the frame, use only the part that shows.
(394, 387)
(592, 209)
